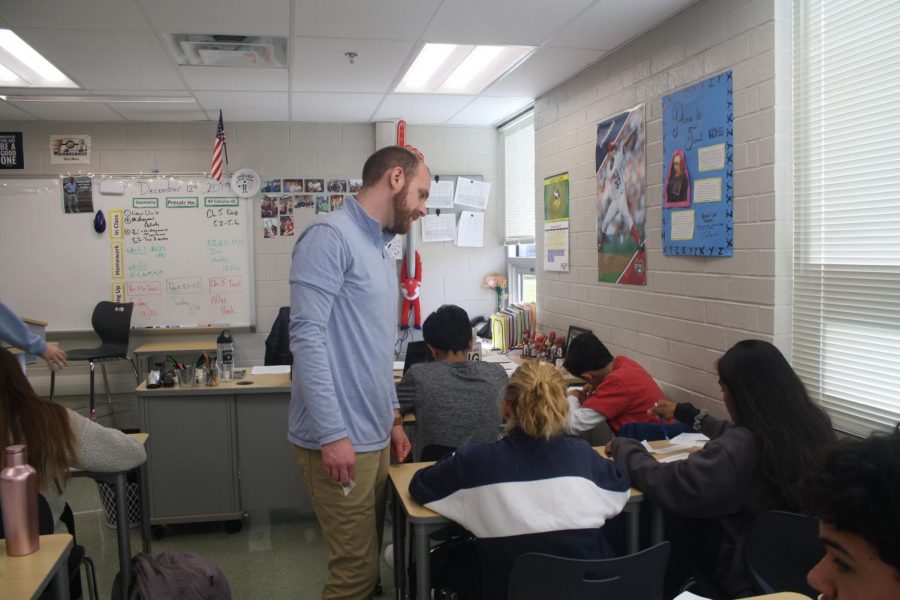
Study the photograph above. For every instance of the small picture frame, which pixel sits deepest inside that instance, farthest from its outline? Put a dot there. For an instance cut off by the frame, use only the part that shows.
(573, 333)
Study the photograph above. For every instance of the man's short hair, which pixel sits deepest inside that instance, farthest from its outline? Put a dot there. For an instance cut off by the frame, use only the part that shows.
(857, 490)
(586, 353)
(448, 329)
(388, 158)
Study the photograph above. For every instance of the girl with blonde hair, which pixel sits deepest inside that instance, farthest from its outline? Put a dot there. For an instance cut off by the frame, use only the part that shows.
(535, 490)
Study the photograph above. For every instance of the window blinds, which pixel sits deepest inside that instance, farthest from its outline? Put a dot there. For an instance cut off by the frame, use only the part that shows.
(846, 319)
(518, 168)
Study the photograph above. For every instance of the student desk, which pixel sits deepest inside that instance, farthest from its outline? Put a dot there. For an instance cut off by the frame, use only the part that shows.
(123, 532)
(218, 451)
(25, 577)
(153, 349)
(424, 521)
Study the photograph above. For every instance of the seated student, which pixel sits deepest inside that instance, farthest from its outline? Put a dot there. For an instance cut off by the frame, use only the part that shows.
(618, 389)
(536, 490)
(456, 400)
(56, 438)
(856, 495)
(746, 468)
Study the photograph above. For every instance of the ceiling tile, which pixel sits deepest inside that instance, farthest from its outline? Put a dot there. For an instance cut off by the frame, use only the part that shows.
(66, 14)
(321, 66)
(334, 108)
(248, 79)
(527, 23)
(421, 109)
(8, 112)
(597, 30)
(139, 111)
(487, 111)
(544, 69)
(69, 111)
(259, 17)
(372, 19)
(126, 60)
(246, 106)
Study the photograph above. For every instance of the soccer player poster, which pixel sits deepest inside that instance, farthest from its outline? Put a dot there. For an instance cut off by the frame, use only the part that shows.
(621, 198)
(698, 178)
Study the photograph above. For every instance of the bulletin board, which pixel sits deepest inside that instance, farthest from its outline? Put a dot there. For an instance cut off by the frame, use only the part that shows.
(179, 248)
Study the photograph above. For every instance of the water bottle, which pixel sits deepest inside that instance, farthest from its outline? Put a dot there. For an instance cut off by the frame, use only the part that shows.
(19, 497)
(225, 355)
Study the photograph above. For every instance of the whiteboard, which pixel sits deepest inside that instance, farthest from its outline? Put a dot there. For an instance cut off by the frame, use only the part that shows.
(180, 249)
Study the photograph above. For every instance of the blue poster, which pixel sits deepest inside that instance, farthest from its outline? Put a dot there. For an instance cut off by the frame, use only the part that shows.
(698, 169)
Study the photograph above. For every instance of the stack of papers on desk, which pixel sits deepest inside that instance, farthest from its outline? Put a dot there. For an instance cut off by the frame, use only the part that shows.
(271, 370)
(680, 443)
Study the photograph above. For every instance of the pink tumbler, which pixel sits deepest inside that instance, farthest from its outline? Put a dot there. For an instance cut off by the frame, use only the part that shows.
(19, 498)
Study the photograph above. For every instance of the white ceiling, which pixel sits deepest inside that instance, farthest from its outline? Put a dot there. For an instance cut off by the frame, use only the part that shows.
(115, 47)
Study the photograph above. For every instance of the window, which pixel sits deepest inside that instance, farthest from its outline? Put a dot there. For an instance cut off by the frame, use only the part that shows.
(519, 200)
(518, 180)
(846, 312)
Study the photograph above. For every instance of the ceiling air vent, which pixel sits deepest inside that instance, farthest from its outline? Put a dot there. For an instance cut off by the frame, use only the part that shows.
(198, 49)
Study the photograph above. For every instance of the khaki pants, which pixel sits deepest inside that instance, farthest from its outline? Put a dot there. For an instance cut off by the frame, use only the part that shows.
(351, 525)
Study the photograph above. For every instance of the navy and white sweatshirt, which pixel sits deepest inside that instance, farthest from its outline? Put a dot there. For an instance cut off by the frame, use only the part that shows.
(523, 494)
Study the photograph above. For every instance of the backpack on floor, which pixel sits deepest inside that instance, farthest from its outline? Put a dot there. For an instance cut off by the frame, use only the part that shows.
(174, 575)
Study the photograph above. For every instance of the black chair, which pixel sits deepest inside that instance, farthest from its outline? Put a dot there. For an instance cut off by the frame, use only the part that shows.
(278, 342)
(112, 322)
(77, 555)
(781, 549)
(541, 576)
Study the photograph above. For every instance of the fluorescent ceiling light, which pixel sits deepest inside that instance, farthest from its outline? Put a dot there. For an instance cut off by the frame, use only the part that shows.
(148, 99)
(459, 69)
(31, 69)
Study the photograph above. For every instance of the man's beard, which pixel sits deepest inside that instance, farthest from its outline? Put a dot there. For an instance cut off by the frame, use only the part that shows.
(403, 217)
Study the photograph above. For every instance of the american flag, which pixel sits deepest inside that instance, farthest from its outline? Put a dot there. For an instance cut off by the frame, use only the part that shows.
(219, 148)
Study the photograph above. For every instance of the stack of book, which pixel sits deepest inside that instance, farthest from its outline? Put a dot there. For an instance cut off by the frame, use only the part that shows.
(508, 326)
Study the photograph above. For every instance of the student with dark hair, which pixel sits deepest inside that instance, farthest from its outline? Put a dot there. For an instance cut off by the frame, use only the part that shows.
(536, 490)
(750, 465)
(856, 495)
(456, 400)
(618, 389)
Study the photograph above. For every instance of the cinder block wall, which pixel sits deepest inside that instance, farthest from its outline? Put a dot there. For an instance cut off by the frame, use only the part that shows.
(451, 274)
(692, 309)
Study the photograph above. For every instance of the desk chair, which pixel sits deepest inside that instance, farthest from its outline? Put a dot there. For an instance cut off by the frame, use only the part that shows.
(77, 556)
(112, 322)
(781, 549)
(278, 342)
(539, 576)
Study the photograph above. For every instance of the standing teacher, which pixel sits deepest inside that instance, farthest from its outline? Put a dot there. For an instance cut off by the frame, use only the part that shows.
(344, 412)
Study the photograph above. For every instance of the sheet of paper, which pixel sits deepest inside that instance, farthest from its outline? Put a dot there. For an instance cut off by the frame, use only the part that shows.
(708, 189)
(439, 228)
(674, 457)
(682, 225)
(497, 358)
(470, 229)
(556, 246)
(441, 195)
(689, 439)
(472, 193)
(670, 447)
(398, 365)
(711, 158)
(689, 596)
(271, 370)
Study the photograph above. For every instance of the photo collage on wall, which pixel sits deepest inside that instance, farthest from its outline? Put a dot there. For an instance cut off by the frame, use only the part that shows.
(281, 197)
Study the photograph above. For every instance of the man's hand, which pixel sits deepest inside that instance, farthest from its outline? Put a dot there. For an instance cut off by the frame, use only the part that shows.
(339, 461)
(662, 408)
(54, 355)
(400, 445)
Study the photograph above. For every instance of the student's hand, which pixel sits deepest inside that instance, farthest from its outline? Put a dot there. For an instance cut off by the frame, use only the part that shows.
(54, 355)
(663, 408)
(400, 445)
(609, 449)
(339, 461)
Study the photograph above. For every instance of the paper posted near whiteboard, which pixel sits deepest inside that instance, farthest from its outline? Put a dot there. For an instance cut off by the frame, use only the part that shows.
(472, 193)
(470, 230)
(441, 195)
(439, 228)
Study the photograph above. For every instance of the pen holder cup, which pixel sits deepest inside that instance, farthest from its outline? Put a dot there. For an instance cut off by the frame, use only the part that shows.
(186, 375)
(200, 376)
(212, 375)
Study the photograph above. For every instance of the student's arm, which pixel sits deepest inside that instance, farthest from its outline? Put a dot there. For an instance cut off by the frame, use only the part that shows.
(15, 332)
(705, 485)
(317, 276)
(103, 449)
(581, 419)
(436, 482)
